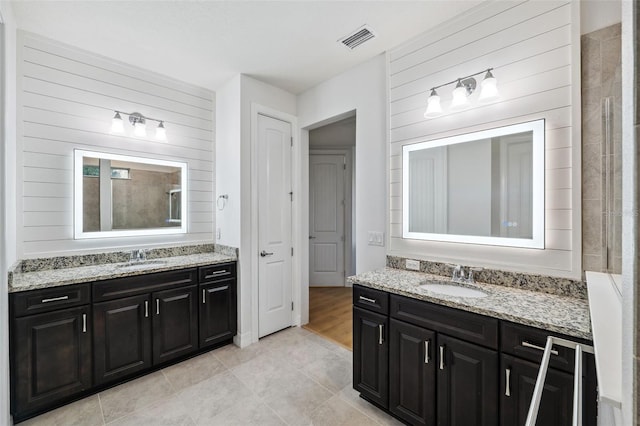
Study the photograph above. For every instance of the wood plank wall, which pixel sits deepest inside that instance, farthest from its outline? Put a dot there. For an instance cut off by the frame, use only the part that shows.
(66, 99)
(534, 48)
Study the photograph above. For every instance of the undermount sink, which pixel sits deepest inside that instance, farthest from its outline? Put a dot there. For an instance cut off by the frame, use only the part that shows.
(142, 264)
(453, 289)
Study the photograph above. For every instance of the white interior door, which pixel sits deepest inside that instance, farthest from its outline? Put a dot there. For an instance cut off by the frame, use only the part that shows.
(326, 220)
(274, 225)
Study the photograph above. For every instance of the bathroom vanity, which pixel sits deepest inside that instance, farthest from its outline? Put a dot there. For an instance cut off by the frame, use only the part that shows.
(72, 336)
(430, 359)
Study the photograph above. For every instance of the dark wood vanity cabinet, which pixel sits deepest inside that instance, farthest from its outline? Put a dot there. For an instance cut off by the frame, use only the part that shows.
(451, 367)
(70, 341)
(122, 338)
(218, 304)
(51, 346)
(371, 356)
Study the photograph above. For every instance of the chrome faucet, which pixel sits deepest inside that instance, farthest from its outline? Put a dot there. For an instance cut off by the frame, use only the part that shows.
(458, 274)
(470, 278)
(138, 255)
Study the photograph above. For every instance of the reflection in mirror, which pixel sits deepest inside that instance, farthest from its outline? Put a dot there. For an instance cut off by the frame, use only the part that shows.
(485, 187)
(125, 196)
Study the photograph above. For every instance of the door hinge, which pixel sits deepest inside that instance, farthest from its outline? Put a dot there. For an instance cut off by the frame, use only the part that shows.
(292, 306)
(291, 195)
(344, 166)
(292, 141)
(291, 251)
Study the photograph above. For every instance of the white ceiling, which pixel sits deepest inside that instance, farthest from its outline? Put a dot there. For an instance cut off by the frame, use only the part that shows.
(289, 44)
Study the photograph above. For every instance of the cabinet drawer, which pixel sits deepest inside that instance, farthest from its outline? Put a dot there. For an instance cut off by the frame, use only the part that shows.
(453, 322)
(50, 299)
(216, 272)
(373, 300)
(140, 284)
(528, 343)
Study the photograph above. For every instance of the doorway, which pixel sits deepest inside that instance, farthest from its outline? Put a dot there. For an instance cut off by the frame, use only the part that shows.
(331, 243)
(275, 300)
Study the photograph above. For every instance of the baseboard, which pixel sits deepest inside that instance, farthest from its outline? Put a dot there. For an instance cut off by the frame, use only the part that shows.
(242, 340)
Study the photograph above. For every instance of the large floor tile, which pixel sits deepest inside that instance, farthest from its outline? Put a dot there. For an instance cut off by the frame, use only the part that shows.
(131, 396)
(210, 397)
(232, 356)
(166, 412)
(298, 400)
(246, 411)
(85, 412)
(331, 370)
(266, 373)
(194, 370)
(337, 412)
(352, 397)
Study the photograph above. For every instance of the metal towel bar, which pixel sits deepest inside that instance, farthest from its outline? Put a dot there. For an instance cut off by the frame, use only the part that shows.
(532, 416)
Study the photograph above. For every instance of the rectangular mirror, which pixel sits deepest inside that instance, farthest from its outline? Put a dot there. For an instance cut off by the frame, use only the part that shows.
(121, 196)
(484, 187)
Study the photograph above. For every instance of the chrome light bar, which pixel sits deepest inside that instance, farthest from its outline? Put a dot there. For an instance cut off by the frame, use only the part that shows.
(579, 348)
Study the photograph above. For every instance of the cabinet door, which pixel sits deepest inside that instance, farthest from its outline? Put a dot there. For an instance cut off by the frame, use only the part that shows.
(467, 390)
(516, 390)
(175, 323)
(122, 337)
(412, 373)
(218, 312)
(371, 356)
(52, 357)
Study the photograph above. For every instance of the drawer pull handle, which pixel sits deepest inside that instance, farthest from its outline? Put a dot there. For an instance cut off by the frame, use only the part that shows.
(216, 274)
(157, 306)
(366, 299)
(223, 288)
(146, 309)
(426, 351)
(84, 323)
(540, 348)
(441, 357)
(507, 391)
(380, 330)
(204, 295)
(55, 299)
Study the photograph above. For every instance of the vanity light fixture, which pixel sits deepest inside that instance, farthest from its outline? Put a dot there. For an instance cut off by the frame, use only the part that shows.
(139, 123)
(465, 86)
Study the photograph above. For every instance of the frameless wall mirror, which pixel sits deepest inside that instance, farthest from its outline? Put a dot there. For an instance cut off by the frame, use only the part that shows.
(485, 187)
(121, 196)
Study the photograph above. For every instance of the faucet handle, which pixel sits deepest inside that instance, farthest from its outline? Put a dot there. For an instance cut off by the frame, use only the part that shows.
(470, 277)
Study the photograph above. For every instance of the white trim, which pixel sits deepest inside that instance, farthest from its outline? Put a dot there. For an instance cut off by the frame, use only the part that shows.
(257, 109)
(79, 234)
(537, 241)
(242, 340)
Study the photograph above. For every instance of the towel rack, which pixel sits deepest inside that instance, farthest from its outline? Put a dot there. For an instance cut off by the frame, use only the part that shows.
(579, 348)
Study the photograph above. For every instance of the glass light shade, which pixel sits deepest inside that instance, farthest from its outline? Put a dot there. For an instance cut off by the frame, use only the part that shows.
(161, 132)
(117, 125)
(460, 100)
(489, 88)
(433, 105)
(140, 129)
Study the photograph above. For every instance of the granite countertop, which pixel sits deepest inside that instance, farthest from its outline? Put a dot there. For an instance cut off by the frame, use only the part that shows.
(23, 281)
(561, 314)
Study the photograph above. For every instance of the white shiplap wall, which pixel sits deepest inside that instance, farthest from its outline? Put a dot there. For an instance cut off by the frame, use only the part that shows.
(534, 48)
(66, 99)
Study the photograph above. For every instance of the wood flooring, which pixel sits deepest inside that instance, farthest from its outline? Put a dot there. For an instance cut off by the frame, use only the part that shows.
(331, 314)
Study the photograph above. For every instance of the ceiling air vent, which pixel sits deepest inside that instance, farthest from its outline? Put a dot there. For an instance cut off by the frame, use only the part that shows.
(358, 37)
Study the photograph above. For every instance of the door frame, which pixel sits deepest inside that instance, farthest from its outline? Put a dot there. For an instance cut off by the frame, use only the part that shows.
(258, 109)
(348, 201)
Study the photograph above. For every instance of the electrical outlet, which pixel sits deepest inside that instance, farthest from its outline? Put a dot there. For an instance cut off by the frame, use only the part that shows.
(218, 233)
(375, 238)
(414, 265)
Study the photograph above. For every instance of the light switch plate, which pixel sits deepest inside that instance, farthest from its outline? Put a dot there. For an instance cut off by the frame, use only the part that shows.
(414, 265)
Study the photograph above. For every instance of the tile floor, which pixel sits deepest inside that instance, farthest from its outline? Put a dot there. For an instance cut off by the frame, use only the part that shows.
(293, 377)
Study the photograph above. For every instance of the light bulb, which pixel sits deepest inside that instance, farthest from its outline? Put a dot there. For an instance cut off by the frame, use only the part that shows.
(433, 105)
(489, 88)
(140, 129)
(117, 125)
(161, 132)
(460, 99)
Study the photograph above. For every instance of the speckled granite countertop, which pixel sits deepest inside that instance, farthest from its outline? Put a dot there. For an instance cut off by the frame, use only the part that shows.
(561, 314)
(23, 281)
